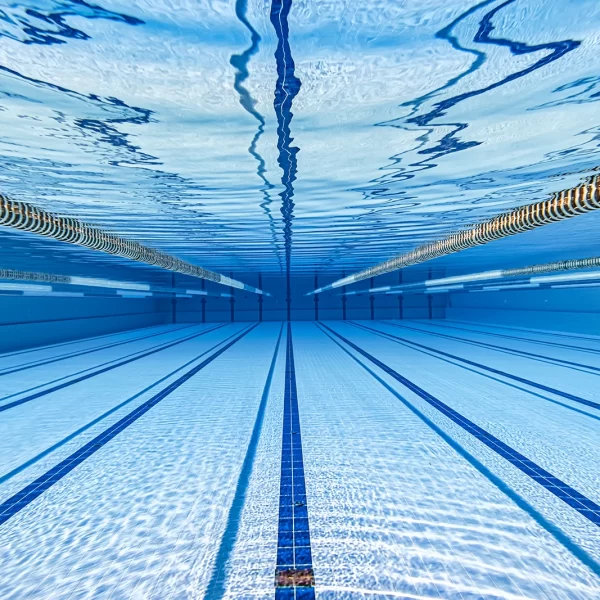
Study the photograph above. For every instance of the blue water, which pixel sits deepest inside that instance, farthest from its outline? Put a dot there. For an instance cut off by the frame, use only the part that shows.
(297, 447)
(247, 136)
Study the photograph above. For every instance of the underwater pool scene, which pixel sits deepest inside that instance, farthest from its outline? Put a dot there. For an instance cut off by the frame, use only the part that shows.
(299, 299)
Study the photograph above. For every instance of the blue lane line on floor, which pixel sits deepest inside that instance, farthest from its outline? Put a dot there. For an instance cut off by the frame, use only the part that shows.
(583, 505)
(106, 414)
(533, 384)
(519, 500)
(69, 377)
(590, 338)
(504, 349)
(294, 575)
(77, 341)
(528, 340)
(28, 494)
(48, 361)
(61, 386)
(216, 587)
(504, 382)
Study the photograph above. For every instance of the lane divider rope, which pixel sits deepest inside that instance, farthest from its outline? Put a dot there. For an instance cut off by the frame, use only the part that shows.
(26, 217)
(562, 205)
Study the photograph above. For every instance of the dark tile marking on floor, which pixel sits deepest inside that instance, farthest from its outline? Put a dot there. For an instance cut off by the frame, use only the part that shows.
(576, 500)
(533, 384)
(216, 586)
(106, 414)
(560, 536)
(294, 575)
(48, 361)
(61, 386)
(504, 349)
(504, 382)
(28, 494)
(77, 341)
(590, 338)
(75, 319)
(525, 339)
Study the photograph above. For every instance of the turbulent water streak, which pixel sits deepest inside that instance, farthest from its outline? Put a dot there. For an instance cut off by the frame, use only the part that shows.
(240, 62)
(287, 87)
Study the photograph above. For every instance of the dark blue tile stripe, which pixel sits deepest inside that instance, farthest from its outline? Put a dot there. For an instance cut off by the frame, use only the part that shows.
(48, 361)
(504, 349)
(216, 586)
(294, 573)
(133, 314)
(525, 339)
(583, 505)
(562, 538)
(20, 500)
(71, 342)
(472, 363)
(70, 382)
(106, 414)
(504, 382)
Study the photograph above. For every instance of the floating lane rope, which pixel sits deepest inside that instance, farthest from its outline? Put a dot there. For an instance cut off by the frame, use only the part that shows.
(562, 205)
(20, 215)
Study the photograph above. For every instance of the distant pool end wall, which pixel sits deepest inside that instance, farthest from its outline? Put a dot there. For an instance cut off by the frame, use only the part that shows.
(28, 321)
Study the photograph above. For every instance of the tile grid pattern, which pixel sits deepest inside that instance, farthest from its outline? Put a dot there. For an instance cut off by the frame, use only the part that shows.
(583, 505)
(495, 347)
(294, 575)
(47, 361)
(481, 366)
(20, 500)
(104, 369)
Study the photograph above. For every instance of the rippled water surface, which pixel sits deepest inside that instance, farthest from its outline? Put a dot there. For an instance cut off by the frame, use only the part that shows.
(330, 136)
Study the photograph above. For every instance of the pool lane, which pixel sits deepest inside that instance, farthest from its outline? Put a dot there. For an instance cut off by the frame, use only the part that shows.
(222, 581)
(144, 515)
(551, 356)
(540, 377)
(20, 388)
(561, 441)
(18, 366)
(565, 341)
(50, 350)
(398, 510)
(28, 430)
(24, 497)
(572, 497)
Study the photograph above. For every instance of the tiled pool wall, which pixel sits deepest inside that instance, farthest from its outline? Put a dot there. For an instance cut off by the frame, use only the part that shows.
(32, 321)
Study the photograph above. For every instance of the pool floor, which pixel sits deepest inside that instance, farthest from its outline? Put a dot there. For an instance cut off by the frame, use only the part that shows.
(373, 459)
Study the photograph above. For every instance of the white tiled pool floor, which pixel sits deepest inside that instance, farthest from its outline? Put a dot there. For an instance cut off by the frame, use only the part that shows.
(435, 459)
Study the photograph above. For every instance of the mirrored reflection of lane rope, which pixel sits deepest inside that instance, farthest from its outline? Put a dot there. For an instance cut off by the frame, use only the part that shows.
(562, 205)
(24, 216)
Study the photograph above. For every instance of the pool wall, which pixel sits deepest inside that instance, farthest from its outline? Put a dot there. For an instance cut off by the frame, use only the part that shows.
(568, 309)
(27, 321)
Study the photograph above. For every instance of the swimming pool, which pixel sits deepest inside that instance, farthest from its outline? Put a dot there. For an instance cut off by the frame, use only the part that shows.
(299, 300)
